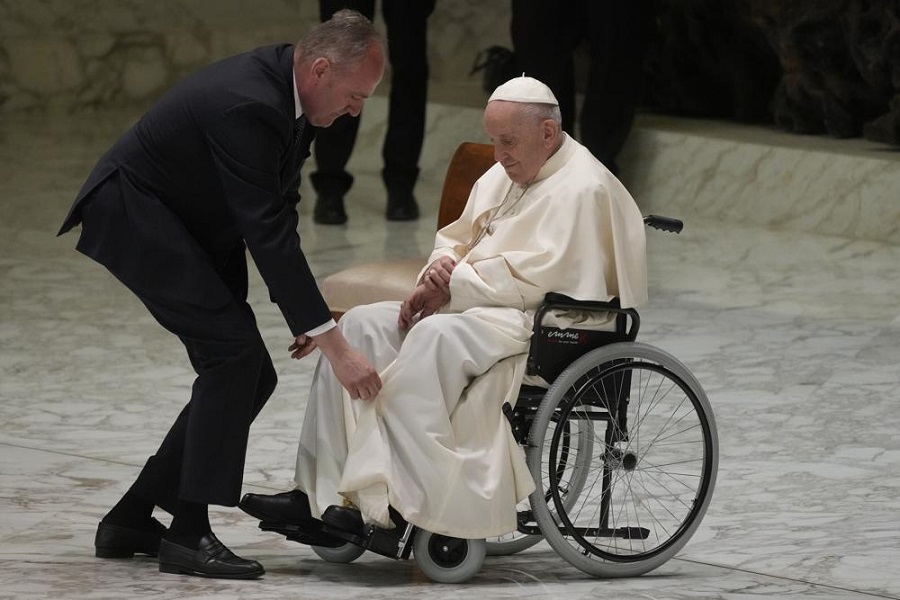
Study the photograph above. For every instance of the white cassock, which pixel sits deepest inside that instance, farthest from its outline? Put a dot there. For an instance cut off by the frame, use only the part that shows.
(434, 444)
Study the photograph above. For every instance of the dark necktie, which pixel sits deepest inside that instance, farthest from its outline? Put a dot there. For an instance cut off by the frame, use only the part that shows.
(299, 150)
(299, 126)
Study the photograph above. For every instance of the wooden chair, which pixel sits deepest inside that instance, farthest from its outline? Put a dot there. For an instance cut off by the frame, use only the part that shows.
(395, 279)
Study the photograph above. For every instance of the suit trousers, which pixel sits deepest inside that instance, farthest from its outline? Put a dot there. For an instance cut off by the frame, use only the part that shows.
(406, 22)
(201, 458)
(545, 35)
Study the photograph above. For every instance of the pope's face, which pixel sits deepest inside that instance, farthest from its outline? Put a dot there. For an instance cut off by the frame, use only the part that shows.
(329, 92)
(522, 143)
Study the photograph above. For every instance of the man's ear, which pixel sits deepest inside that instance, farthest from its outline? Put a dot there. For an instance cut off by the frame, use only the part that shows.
(319, 67)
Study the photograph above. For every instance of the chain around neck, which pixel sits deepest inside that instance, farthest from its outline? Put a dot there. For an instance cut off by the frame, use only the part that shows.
(501, 211)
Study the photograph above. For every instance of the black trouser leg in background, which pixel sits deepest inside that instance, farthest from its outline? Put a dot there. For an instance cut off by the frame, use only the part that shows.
(544, 35)
(334, 144)
(617, 33)
(406, 24)
(407, 40)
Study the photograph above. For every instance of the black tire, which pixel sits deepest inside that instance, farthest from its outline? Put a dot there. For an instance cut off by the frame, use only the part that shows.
(652, 473)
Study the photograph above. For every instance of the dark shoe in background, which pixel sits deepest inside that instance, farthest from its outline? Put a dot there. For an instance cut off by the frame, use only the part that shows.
(401, 207)
(119, 541)
(210, 559)
(329, 210)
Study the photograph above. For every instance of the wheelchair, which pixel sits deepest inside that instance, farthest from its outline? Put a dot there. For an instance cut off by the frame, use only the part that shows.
(622, 446)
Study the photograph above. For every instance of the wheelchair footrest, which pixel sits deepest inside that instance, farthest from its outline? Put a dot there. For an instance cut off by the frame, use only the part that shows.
(385, 542)
(313, 535)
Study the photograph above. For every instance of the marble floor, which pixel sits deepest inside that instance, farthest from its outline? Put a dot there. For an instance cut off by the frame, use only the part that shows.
(795, 336)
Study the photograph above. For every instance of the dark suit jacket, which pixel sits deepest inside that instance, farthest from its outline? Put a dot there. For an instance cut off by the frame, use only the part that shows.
(210, 168)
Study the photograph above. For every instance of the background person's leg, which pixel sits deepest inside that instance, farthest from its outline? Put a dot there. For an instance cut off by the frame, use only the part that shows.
(544, 35)
(407, 38)
(334, 144)
(617, 34)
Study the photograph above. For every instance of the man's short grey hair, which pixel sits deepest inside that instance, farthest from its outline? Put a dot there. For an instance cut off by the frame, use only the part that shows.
(541, 112)
(344, 39)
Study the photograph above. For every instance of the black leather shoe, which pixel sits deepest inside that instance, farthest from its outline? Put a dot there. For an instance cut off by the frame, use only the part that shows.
(344, 518)
(329, 210)
(401, 208)
(119, 541)
(288, 507)
(210, 559)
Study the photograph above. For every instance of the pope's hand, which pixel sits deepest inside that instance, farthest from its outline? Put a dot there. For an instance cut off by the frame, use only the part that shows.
(423, 302)
(437, 275)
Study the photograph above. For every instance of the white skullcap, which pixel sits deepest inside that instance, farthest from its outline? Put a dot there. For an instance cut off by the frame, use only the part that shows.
(524, 89)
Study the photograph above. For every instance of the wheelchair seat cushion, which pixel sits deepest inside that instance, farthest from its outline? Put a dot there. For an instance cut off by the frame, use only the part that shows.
(371, 282)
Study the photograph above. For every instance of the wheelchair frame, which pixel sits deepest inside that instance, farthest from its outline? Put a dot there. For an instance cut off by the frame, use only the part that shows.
(614, 503)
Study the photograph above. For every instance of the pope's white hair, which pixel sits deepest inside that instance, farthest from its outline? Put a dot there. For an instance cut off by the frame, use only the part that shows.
(541, 112)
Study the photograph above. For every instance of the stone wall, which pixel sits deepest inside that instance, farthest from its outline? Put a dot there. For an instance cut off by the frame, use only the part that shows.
(808, 66)
(71, 55)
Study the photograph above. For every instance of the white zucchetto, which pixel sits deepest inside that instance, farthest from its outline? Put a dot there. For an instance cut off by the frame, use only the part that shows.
(524, 89)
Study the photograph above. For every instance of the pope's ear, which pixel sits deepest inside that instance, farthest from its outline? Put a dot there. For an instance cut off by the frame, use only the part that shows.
(551, 129)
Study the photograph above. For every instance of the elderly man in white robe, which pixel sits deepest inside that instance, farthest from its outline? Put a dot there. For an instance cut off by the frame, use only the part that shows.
(433, 447)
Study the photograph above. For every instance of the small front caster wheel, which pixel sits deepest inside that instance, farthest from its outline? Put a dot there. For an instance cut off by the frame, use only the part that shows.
(342, 554)
(447, 559)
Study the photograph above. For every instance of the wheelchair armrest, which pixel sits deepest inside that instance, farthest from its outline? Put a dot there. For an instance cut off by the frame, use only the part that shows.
(553, 300)
(538, 363)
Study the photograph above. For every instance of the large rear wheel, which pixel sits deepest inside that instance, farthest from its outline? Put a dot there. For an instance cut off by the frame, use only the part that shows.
(652, 468)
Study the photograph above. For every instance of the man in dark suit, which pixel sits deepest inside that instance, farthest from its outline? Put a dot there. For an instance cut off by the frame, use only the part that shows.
(212, 169)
